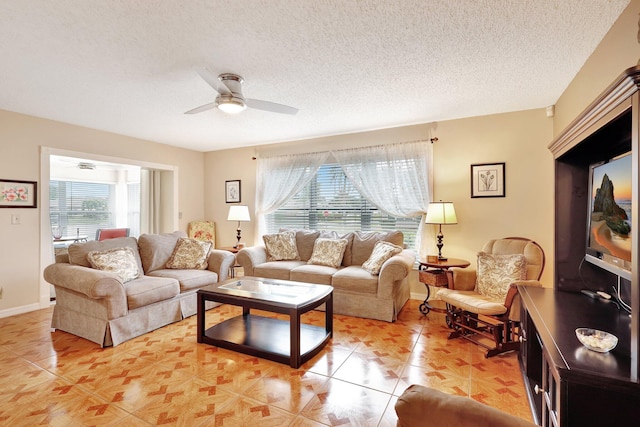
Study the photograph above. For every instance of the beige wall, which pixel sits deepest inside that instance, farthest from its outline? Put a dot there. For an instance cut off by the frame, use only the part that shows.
(618, 51)
(519, 139)
(21, 139)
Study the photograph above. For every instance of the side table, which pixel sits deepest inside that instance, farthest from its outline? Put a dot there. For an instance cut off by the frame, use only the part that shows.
(436, 273)
(233, 250)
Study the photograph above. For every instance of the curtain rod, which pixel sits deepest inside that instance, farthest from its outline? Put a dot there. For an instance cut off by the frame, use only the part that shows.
(431, 140)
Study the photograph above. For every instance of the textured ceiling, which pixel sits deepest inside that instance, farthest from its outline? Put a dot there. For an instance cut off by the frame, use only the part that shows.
(129, 66)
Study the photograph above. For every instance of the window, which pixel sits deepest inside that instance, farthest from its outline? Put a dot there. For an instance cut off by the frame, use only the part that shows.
(330, 202)
(80, 208)
(87, 195)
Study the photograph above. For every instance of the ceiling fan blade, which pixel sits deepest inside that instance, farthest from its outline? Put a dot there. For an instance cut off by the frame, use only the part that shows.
(270, 106)
(202, 108)
(213, 81)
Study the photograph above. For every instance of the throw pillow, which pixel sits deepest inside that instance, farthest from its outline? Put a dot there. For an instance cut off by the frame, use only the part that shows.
(281, 246)
(497, 272)
(189, 254)
(304, 241)
(328, 252)
(121, 261)
(382, 251)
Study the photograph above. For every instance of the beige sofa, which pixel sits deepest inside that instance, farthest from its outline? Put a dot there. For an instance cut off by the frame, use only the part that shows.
(422, 406)
(98, 306)
(356, 292)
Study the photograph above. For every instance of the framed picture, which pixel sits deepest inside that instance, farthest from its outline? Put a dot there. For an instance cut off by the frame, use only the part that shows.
(18, 194)
(487, 180)
(232, 191)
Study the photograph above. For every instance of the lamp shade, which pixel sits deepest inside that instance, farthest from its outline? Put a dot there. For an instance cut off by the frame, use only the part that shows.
(441, 213)
(238, 213)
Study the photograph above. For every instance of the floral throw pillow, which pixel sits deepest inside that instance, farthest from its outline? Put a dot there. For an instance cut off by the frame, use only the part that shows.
(328, 252)
(189, 254)
(121, 261)
(281, 246)
(382, 251)
(496, 272)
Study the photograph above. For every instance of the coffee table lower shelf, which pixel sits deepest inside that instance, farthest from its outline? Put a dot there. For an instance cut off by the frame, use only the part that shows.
(268, 338)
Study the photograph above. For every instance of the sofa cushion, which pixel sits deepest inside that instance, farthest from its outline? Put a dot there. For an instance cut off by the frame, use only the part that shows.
(304, 241)
(309, 273)
(120, 261)
(472, 301)
(328, 252)
(78, 251)
(382, 251)
(156, 249)
(148, 290)
(188, 279)
(281, 246)
(354, 278)
(189, 254)
(496, 272)
(276, 269)
(363, 243)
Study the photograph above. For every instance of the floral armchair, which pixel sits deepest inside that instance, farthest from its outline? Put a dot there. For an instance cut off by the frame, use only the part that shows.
(203, 230)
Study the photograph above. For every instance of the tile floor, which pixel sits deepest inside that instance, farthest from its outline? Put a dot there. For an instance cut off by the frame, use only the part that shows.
(166, 378)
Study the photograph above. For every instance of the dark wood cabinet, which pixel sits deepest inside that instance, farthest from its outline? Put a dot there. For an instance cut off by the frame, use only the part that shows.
(569, 385)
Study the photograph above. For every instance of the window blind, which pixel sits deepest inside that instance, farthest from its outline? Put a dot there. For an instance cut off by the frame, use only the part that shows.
(80, 208)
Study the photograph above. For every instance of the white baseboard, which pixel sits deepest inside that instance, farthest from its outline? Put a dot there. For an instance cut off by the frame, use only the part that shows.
(19, 310)
(418, 296)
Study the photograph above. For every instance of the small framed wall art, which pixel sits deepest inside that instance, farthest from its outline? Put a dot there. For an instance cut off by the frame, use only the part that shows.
(232, 191)
(487, 180)
(18, 194)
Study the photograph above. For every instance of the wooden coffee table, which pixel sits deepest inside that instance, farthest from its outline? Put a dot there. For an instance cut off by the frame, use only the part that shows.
(279, 340)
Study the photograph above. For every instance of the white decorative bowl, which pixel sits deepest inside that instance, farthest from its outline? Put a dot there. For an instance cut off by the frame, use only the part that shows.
(596, 340)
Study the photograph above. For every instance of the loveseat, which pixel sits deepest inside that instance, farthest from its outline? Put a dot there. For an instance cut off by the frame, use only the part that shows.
(420, 406)
(378, 293)
(109, 307)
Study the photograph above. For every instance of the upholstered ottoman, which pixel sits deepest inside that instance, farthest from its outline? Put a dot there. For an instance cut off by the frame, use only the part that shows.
(422, 406)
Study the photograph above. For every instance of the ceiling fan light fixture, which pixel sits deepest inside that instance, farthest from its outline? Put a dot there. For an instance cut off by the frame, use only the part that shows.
(230, 99)
(230, 104)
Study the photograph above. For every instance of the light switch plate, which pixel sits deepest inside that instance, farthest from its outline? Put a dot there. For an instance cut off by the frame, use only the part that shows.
(15, 219)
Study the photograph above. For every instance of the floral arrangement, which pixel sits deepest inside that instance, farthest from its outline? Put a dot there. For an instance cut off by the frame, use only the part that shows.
(487, 178)
(16, 193)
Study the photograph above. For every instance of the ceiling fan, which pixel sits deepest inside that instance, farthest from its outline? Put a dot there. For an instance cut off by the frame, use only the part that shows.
(230, 98)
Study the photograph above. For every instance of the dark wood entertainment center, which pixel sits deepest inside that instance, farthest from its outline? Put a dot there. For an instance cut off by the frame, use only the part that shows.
(569, 385)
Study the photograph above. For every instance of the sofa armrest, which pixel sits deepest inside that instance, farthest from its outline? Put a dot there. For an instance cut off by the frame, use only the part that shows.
(394, 270)
(94, 284)
(221, 262)
(464, 279)
(249, 257)
(422, 406)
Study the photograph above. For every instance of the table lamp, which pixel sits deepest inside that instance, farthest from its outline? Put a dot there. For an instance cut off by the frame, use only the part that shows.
(441, 213)
(238, 213)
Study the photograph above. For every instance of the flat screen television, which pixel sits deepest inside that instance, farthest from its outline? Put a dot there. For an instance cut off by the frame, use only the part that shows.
(609, 218)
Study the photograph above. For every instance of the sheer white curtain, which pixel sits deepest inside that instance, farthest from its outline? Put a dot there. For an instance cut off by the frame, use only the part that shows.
(150, 209)
(396, 178)
(280, 178)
